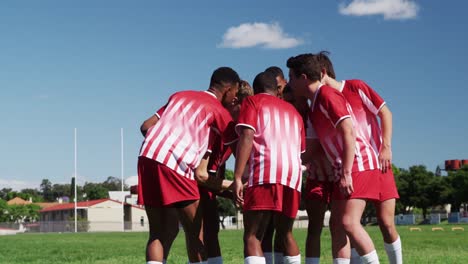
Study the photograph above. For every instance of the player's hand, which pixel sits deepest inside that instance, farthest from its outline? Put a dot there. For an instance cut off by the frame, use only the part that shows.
(385, 158)
(238, 191)
(346, 184)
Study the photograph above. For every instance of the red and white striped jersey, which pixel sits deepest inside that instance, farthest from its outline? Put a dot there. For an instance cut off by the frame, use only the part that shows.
(278, 142)
(219, 153)
(329, 107)
(180, 137)
(366, 104)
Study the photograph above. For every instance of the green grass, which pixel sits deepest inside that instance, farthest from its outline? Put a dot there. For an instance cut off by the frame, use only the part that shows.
(419, 247)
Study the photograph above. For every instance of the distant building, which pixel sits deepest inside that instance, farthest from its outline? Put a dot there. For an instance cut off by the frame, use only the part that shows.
(94, 216)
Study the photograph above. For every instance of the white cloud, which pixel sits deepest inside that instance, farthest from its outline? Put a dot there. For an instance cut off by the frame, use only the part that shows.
(249, 35)
(390, 9)
(133, 180)
(17, 185)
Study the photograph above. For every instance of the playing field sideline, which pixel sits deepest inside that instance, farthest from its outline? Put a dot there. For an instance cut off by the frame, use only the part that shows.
(425, 246)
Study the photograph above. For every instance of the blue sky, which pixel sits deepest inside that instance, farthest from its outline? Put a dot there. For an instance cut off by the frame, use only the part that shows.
(104, 65)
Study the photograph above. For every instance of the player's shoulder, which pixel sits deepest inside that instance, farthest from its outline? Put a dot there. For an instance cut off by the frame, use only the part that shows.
(355, 84)
(328, 91)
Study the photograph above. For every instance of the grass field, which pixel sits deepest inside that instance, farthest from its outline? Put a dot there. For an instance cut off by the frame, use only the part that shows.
(419, 247)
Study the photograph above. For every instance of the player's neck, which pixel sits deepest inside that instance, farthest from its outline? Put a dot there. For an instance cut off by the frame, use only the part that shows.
(332, 83)
(216, 92)
(312, 89)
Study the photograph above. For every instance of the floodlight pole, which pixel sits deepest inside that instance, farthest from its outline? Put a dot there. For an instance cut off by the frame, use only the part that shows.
(122, 177)
(76, 181)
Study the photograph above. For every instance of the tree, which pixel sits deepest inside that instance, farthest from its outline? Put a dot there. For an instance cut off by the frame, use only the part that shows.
(4, 192)
(457, 185)
(113, 184)
(95, 191)
(34, 194)
(3, 211)
(225, 208)
(46, 189)
(419, 187)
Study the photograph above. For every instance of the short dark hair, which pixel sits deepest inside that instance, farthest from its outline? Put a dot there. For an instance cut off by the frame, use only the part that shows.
(223, 76)
(307, 64)
(326, 63)
(276, 71)
(264, 81)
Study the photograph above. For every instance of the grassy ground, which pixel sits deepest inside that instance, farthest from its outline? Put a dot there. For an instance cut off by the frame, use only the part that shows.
(424, 246)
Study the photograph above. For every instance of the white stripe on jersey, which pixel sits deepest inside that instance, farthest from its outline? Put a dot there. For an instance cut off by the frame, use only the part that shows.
(368, 103)
(273, 146)
(164, 130)
(359, 157)
(295, 166)
(262, 164)
(284, 152)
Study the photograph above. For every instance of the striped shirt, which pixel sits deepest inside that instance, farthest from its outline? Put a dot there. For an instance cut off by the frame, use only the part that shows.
(366, 104)
(279, 139)
(180, 137)
(329, 107)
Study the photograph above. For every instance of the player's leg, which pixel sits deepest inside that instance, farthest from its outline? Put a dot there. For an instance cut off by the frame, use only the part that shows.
(210, 227)
(385, 208)
(162, 232)
(340, 241)
(316, 213)
(278, 249)
(284, 221)
(386, 215)
(267, 243)
(351, 220)
(190, 215)
(284, 226)
(255, 224)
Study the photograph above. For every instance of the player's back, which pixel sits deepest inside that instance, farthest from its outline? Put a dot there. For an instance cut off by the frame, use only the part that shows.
(366, 104)
(180, 137)
(278, 140)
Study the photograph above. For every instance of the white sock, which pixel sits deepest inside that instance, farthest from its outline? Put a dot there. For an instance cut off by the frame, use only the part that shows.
(312, 261)
(340, 261)
(153, 262)
(394, 253)
(279, 258)
(216, 260)
(254, 260)
(355, 258)
(268, 257)
(292, 259)
(370, 258)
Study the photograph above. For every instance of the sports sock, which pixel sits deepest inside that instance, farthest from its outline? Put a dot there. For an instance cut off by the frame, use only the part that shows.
(216, 260)
(153, 262)
(394, 252)
(292, 259)
(340, 261)
(370, 258)
(254, 260)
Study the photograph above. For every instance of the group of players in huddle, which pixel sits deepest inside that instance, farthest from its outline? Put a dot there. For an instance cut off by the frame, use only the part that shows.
(278, 131)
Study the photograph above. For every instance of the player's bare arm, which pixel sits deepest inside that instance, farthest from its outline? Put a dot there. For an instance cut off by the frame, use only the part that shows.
(346, 130)
(243, 153)
(203, 178)
(385, 153)
(148, 123)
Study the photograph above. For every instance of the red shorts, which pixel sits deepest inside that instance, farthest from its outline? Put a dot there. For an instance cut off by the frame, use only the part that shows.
(318, 190)
(272, 197)
(159, 186)
(370, 185)
(388, 189)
